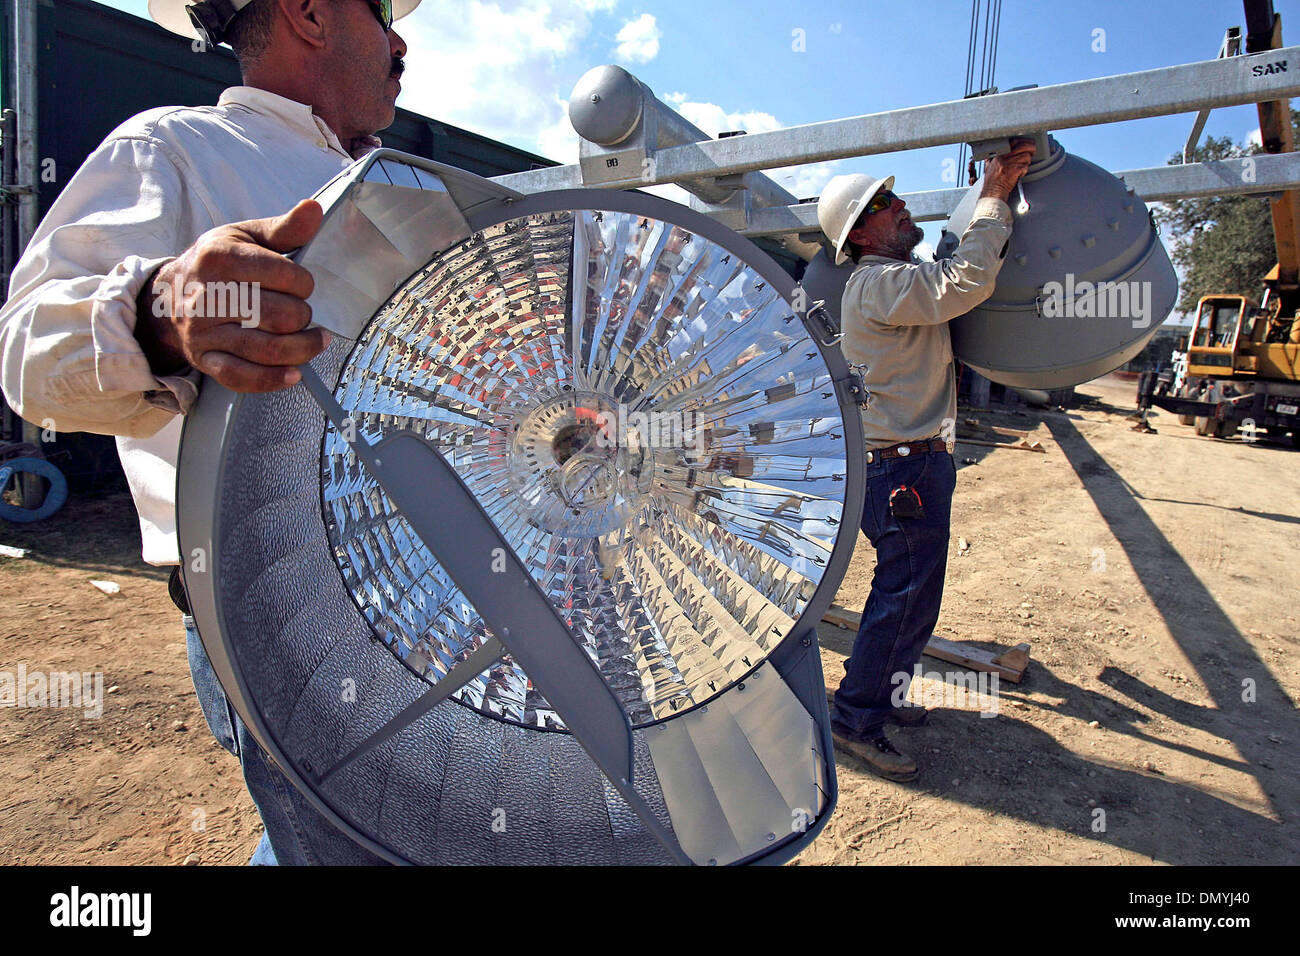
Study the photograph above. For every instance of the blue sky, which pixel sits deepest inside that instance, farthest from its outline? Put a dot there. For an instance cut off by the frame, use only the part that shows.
(506, 68)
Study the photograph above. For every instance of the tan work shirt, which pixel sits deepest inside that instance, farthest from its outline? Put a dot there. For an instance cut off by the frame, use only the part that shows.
(895, 316)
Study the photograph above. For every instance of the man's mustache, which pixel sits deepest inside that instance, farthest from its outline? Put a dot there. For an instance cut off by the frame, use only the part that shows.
(399, 67)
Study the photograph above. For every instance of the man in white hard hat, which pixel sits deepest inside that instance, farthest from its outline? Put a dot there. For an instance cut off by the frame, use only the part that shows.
(894, 316)
(177, 198)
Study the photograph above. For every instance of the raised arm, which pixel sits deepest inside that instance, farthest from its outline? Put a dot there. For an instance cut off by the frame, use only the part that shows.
(932, 292)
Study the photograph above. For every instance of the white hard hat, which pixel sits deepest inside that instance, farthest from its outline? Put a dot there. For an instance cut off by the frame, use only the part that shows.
(174, 14)
(842, 202)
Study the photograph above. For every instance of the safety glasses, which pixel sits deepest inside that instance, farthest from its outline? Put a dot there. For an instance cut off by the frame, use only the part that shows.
(383, 12)
(881, 200)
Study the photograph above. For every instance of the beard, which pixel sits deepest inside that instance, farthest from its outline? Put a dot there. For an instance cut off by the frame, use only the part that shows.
(904, 241)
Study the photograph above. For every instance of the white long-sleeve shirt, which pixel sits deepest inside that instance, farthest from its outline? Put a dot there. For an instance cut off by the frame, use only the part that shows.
(68, 354)
(895, 318)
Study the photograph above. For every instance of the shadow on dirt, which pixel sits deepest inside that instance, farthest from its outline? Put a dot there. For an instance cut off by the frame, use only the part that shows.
(97, 535)
(1011, 766)
(1242, 686)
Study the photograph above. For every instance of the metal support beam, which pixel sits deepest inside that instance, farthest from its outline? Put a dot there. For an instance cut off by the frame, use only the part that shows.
(622, 125)
(1226, 177)
(1231, 46)
(1177, 89)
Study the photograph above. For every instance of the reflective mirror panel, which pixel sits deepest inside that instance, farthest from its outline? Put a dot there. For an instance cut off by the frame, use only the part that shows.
(643, 417)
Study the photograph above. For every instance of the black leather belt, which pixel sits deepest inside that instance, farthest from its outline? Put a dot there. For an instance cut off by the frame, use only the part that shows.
(176, 588)
(903, 449)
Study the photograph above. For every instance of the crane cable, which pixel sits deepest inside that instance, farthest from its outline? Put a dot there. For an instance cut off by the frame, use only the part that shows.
(987, 42)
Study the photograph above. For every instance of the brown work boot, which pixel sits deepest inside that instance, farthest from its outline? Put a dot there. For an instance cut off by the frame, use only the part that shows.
(880, 756)
(909, 715)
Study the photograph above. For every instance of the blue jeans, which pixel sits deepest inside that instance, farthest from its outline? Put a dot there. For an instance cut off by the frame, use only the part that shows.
(296, 833)
(906, 591)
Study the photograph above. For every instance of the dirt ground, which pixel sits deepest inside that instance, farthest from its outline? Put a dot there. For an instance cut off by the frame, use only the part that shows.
(1155, 577)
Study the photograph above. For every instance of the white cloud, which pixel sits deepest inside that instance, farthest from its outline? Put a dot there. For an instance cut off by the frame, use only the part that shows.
(1253, 138)
(807, 181)
(803, 181)
(559, 141)
(638, 40)
(713, 119)
(496, 67)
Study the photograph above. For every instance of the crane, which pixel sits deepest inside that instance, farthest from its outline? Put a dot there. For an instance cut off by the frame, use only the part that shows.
(1240, 368)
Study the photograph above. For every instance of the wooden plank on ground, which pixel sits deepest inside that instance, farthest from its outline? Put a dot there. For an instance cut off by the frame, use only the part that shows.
(1016, 659)
(842, 617)
(1008, 665)
(977, 660)
(1009, 432)
(1023, 445)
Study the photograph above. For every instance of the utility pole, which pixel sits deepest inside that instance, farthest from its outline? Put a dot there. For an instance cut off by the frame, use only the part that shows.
(22, 191)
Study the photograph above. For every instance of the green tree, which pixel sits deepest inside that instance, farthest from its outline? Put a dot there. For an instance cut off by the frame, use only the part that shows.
(1224, 244)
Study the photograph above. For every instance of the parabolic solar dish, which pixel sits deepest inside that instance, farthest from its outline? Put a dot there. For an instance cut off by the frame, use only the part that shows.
(586, 418)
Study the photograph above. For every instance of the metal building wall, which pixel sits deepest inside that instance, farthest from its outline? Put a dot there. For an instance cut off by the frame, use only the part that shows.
(97, 66)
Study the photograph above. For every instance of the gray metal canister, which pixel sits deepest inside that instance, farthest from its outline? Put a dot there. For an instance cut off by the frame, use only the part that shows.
(1086, 281)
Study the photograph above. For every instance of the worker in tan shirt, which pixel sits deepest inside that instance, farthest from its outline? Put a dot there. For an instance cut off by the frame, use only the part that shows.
(894, 316)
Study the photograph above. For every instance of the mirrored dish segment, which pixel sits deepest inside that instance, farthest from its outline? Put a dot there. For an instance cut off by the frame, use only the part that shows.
(645, 420)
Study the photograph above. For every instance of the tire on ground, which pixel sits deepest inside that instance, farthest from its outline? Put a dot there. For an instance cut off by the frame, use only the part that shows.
(54, 498)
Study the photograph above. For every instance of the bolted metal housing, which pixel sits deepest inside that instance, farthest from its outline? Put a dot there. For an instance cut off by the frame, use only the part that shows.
(1085, 283)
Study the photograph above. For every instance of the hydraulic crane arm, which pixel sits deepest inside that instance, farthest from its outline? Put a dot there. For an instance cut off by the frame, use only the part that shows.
(1264, 32)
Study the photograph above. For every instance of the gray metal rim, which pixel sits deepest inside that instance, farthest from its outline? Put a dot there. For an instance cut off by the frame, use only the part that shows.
(201, 473)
